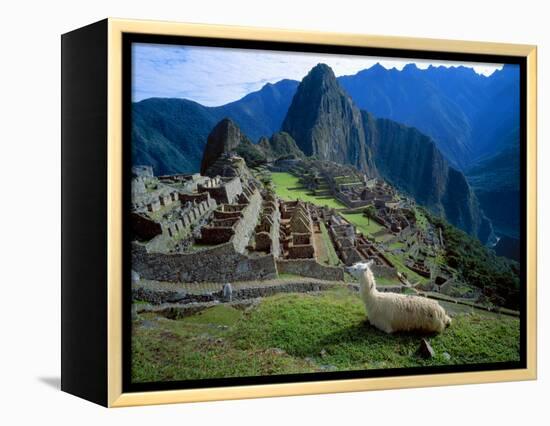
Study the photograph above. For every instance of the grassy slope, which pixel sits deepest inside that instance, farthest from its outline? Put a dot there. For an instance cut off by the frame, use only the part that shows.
(296, 333)
(363, 224)
(333, 259)
(283, 182)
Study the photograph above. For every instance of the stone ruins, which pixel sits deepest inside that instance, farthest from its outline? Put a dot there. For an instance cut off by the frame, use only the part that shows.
(227, 226)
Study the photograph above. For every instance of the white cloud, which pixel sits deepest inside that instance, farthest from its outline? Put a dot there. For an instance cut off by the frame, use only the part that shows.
(215, 76)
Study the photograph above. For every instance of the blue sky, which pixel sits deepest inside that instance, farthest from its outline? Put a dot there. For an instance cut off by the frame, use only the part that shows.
(215, 76)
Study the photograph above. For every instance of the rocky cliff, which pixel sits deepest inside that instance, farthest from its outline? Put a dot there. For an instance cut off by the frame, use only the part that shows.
(225, 137)
(410, 161)
(326, 124)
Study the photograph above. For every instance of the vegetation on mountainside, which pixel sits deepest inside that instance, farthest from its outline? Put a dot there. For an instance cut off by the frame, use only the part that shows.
(497, 277)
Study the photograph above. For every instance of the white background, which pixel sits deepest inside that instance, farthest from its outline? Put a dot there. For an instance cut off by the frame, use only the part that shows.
(30, 211)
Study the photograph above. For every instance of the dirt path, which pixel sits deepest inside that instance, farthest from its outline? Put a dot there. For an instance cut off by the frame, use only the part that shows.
(321, 253)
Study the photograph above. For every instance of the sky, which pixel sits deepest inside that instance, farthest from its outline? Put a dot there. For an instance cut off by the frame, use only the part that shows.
(215, 76)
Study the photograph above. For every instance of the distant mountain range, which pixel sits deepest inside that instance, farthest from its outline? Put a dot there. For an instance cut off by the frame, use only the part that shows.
(464, 119)
(468, 115)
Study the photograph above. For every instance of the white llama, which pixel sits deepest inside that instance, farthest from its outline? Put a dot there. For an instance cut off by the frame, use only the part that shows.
(391, 312)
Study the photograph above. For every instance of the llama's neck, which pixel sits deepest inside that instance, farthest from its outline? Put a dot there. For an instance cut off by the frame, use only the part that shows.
(368, 287)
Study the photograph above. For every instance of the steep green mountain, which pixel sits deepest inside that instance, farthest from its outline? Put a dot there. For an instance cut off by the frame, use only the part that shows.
(411, 161)
(326, 124)
(170, 134)
(495, 180)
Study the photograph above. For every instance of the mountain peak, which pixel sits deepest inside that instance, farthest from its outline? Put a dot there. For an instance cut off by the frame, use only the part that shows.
(321, 68)
(324, 121)
(320, 74)
(226, 124)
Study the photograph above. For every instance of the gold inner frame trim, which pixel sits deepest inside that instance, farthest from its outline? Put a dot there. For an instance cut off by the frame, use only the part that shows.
(116, 28)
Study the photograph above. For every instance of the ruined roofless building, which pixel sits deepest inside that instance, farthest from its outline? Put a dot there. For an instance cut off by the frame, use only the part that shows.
(297, 233)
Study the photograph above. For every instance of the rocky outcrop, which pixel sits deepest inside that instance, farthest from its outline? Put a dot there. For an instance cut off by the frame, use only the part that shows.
(326, 124)
(225, 137)
(281, 144)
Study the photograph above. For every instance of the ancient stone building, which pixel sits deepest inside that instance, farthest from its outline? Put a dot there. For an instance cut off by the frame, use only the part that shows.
(233, 222)
(296, 230)
(223, 190)
(268, 228)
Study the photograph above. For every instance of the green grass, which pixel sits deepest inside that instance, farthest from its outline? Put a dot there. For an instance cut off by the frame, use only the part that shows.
(286, 276)
(347, 179)
(283, 182)
(300, 333)
(364, 224)
(219, 315)
(396, 245)
(333, 259)
(387, 281)
(421, 220)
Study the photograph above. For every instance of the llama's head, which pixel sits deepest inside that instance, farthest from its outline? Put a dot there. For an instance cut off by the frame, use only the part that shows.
(358, 269)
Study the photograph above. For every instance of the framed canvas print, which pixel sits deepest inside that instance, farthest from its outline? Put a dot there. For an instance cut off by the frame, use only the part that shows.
(254, 212)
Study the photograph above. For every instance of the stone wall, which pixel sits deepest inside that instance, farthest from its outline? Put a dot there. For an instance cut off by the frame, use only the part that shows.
(310, 268)
(244, 229)
(233, 188)
(274, 233)
(381, 271)
(144, 228)
(349, 202)
(217, 264)
(226, 192)
(193, 198)
(216, 235)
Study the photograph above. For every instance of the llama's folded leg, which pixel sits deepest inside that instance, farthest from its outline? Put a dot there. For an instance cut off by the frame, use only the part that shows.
(388, 329)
